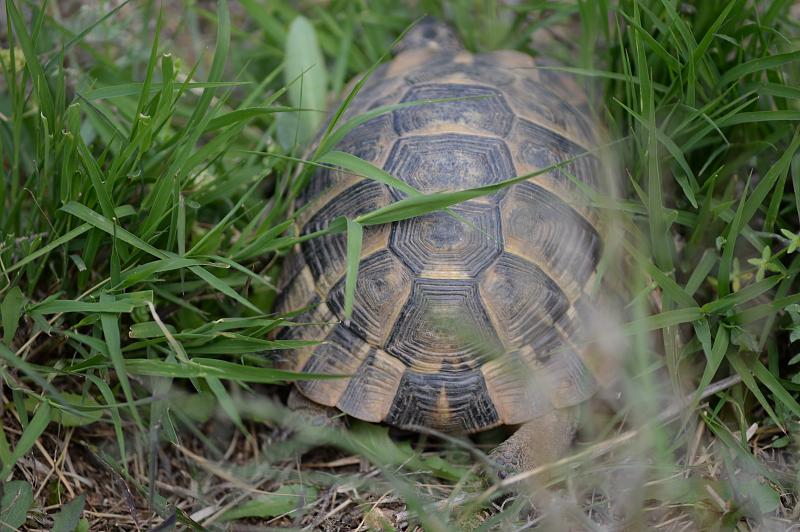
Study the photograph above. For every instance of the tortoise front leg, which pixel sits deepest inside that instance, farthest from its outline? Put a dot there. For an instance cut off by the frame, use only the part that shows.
(317, 415)
(536, 443)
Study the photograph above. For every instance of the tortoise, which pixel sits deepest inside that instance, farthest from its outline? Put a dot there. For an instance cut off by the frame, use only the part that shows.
(466, 319)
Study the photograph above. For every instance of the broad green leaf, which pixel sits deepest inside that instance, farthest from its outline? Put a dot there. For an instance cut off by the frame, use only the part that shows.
(66, 520)
(305, 61)
(17, 500)
(11, 310)
(764, 498)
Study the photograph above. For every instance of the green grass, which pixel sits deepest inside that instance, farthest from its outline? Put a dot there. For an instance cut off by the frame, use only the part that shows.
(151, 161)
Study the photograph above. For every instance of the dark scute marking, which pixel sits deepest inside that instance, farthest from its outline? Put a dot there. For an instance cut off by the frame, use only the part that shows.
(477, 73)
(567, 244)
(541, 147)
(296, 294)
(382, 285)
(449, 162)
(440, 241)
(367, 141)
(556, 109)
(450, 402)
(328, 253)
(371, 391)
(488, 113)
(336, 356)
(319, 183)
(292, 266)
(443, 323)
(525, 301)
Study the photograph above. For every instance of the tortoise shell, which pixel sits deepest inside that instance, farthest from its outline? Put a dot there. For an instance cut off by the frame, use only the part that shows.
(461, 321)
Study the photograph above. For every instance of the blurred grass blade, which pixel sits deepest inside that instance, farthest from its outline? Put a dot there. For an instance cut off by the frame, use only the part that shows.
(363, 168)
(757, 65)
(355, 235)
(137, 88)
(663, 319)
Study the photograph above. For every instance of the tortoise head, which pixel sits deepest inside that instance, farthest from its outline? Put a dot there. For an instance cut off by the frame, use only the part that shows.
(429, 34)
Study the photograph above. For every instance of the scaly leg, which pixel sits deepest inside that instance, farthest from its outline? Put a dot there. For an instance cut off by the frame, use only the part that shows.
(317, 415)
(538, 442)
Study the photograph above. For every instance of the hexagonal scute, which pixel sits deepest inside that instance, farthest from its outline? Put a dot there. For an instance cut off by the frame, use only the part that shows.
(446, 401)
(443, 325)
(326, 255)
(449, 162)
(440, 245)
(382, 287)
(489, 113)
(552, 106)
(539, 147)
(523, 302)
(541, 228)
